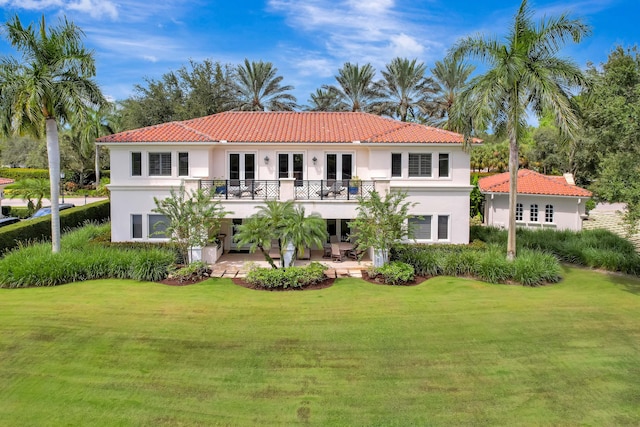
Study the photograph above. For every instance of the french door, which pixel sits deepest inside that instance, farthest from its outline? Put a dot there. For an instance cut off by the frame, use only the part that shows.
(291, 165)
(339, 167)
(242, 166)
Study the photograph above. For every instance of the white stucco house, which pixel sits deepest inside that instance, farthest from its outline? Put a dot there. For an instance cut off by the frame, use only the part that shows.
(543, 201)
(323, 161)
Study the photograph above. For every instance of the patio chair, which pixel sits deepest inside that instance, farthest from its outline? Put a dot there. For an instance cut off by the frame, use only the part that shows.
(334, 239)
(327, 251)
(336, 254)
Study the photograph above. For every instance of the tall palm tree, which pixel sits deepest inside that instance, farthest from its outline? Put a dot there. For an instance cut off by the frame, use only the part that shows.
(257, 87)
(49, 85)
(99, 122)
(524, 72)
(406, 91)
(450, 77)
(357, 91)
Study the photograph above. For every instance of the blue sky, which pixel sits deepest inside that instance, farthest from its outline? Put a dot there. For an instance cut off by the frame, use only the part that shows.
(308, 41)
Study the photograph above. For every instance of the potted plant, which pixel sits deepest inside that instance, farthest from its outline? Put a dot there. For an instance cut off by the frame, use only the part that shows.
(220, 185)
(354, 185)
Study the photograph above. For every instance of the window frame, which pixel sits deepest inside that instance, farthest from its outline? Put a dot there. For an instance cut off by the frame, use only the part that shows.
(448, 231)
(533, 212)
(132, 164)
(448, 169)
(425, 218)
(399, 173)
(150, 224)
(421, 174)
(519, 212)
(548, 214)
(133, 226)
(181, 171)
(161, 163)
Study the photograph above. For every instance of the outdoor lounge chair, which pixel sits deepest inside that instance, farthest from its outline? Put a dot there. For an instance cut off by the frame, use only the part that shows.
(336, 254)
(335, 189)
(274, 252)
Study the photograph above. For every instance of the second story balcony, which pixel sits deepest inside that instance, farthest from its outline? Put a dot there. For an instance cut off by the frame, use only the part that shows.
(287, 189)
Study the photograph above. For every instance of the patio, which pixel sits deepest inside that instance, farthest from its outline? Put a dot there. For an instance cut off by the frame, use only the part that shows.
(235, 264)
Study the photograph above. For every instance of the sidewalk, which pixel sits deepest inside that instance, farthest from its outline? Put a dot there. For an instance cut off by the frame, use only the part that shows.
(78, 201)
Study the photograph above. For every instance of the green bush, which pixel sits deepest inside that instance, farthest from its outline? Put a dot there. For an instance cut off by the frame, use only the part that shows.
(291, 277)
(532, 268)
(591, 248)
(39, 229)
(18, 174)
(393, 273)
(16, 211)
(193, 272)
(493, 266)
(80, 259)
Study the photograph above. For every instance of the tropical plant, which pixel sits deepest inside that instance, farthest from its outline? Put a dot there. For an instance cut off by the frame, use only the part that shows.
(325, 100)
(357, 90)
(285, 223)
(406, 91)
(49, 85)
(257, 87)
(524, 73)
(30, 189)
(192, 219)
(450, 77)
(382, 223)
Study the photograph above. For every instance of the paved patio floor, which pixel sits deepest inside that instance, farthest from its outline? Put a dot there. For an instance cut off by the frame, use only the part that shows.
(609, 217)
(233, 264)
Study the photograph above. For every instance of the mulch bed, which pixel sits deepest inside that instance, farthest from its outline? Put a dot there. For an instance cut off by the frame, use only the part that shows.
(175, 282)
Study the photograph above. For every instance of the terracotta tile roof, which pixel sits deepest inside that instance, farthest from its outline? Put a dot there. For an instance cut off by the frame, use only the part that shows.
(289, 127)
(6, 181)
(530, 182)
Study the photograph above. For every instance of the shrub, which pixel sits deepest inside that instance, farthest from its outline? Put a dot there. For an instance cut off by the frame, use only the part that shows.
(39, 229)
(532, 268)
(393, 273)
(493, 266)
(80, 259)
(193, 272)
(291, 277)
(18, 174)
(17, 211)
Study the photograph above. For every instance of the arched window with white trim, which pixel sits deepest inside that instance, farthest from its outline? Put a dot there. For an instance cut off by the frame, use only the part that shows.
(533, 213)
(519, 210)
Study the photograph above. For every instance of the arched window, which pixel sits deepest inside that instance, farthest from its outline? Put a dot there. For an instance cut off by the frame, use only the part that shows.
(533, 213)
(548, 213)
(519, 211)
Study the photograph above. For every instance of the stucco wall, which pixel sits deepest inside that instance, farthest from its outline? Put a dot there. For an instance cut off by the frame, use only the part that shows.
(566, 211)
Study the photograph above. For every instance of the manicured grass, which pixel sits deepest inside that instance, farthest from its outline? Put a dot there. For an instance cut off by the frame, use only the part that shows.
(447, 352)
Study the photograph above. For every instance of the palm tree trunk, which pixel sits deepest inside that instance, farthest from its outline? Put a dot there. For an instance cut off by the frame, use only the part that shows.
(53, 153)
(513, 178)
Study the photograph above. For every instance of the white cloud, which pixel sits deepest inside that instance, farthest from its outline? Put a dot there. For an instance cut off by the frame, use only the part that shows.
(94, 8)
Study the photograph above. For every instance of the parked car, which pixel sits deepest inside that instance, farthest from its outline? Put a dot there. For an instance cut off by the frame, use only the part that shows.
(8, 221)
(47, 209)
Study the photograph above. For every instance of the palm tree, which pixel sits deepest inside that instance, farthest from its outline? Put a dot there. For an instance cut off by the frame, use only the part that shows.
(49, 85)
(357, 91)
(406, 90)
(284, 222)
(257, 88)
(30, 189)
(450, 77)
(524, 72)
(325, 100)
(97, 123)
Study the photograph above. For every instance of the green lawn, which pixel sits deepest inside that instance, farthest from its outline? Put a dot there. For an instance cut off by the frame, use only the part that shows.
(447, 352)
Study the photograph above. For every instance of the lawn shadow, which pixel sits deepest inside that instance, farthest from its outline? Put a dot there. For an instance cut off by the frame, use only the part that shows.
(628, 283)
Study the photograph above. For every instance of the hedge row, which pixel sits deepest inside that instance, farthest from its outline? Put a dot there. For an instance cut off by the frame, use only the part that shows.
(486, 263)
(591, 248)
(39, 229)
(18, 174)
(80, 260)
